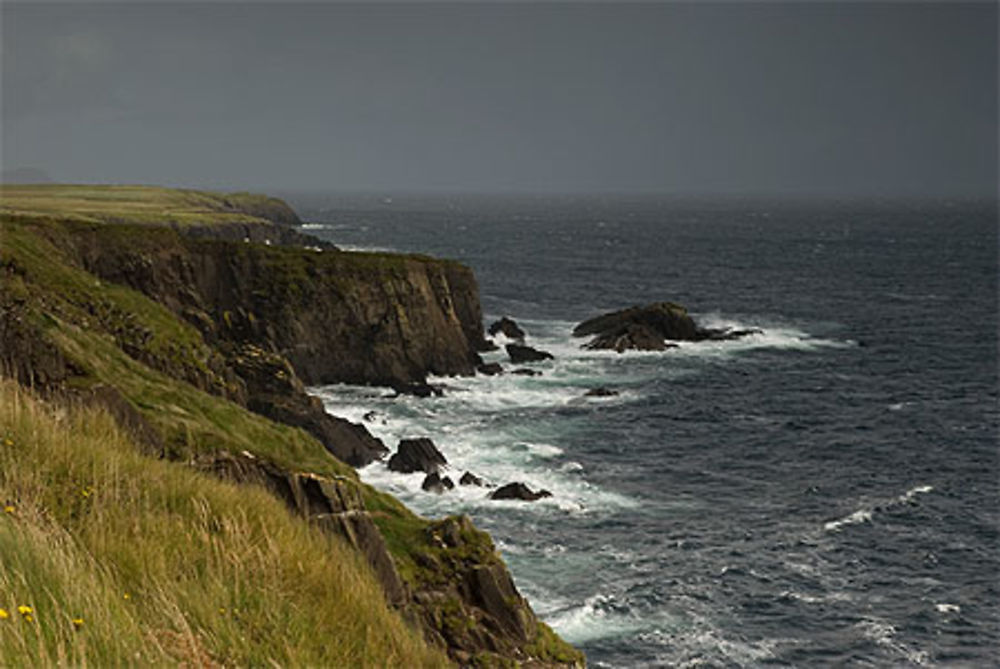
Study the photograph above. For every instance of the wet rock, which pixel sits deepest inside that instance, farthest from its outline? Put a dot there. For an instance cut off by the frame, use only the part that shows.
(518, 491)
(647, 328)
(520, 353)
(600, 392)
(434, 482)
(524, 371)
(468, 478)
(507, 327)
(370, 416)
(490, 369)
(418, 389)
(416, 455)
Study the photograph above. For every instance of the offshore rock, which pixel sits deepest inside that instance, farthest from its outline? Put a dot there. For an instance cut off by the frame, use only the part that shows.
(418, 389)
(490, 369)
(507, 327)
(434, 482)
(417, 455)
(524, 371)
(519, 491)
(601, 392)
(647, 328)
(468, 478)
(519, 353)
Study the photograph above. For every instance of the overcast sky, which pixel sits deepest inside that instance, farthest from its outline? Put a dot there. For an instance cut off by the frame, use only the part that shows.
(765, 98)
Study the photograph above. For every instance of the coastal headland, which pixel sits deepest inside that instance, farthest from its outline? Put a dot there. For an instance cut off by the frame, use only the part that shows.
(159, 342)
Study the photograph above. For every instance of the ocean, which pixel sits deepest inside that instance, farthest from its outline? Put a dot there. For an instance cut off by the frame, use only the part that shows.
(822, 493)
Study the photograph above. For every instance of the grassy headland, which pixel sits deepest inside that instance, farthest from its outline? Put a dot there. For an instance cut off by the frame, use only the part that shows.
(108, 500)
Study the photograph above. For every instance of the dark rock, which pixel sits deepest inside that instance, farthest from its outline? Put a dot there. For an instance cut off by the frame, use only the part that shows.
(490, 369)
(508, 328)
(369, 416)
(519, 353)
(434, 482)
(647, 329)
(418, 389)
(518, 491)
(600, 392)
(416, 455)
(468, 478)
(524, 371)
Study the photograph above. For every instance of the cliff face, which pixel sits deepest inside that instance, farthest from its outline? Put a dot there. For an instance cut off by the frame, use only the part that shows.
(337, 317)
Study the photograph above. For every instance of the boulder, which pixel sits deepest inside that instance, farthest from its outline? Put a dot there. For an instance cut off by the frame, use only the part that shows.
(524, 371)
(416, 455)
(490, 369)
(507, 327)
(600, 392)
(518, 491)
(434, 482)
(520, 353)
(468, 478)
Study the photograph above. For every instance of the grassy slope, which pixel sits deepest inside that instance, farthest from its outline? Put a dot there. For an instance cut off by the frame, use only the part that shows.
(135, 204)
(164, 565)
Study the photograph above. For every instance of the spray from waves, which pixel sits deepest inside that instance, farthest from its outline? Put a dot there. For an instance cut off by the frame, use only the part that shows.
(867, 513)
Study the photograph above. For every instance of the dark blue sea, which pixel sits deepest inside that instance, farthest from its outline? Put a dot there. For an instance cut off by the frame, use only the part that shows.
(822, 493)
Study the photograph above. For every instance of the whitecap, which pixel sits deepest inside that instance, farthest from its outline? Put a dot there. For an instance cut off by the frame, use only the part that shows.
(860, 516)
(947, 608)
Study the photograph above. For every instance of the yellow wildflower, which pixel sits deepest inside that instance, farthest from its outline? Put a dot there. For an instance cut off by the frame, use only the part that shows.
(3, 614)
(25, 610)
(8, 509)
(126, 596)
(8, 442)
(77, 623)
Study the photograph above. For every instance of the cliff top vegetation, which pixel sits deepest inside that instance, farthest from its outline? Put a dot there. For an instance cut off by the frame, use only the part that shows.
(143, 205)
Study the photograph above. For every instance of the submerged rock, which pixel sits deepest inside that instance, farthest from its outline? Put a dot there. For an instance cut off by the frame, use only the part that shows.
(507, 327)
(600, 392)
(416, 455)
(434, 482)
(524, 371)
(519, 491)
(520, 353)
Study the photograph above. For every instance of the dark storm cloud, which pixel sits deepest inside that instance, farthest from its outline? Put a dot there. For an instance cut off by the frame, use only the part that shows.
(772, 98)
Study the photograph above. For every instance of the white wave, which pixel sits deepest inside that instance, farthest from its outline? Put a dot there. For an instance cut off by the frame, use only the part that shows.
(884, 634)
(315, 226)
(947, 608)
(860, 516)
(866, 514)
(595, 618)
(913, 492)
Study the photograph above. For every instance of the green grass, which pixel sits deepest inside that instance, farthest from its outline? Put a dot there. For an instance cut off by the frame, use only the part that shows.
(136, 204)
(164, 566)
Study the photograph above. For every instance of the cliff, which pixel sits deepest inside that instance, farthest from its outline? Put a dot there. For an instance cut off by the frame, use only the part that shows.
(199, 345)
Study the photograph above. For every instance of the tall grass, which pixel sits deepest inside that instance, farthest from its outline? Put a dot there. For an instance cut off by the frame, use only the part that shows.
(126, 560)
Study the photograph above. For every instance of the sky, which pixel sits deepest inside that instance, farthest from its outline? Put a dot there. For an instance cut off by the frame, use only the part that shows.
(749, 98)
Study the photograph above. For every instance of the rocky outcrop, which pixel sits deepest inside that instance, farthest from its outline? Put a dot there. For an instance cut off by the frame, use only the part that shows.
(507, 327)
(601, 392)
(417, 455)
(490, 369)
(649, 328)
(519, 353)
(519, 491)
(333, 503)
